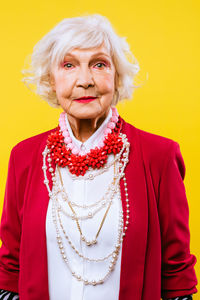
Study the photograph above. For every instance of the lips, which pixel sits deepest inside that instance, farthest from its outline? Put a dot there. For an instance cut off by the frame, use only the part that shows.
(85, 99)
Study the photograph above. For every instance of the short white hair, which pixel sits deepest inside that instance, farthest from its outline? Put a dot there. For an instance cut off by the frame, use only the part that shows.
(83, 32)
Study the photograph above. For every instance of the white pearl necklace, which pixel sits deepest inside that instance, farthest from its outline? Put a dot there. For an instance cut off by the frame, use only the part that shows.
(120, 229)
(121, 232)
(90, 214)
(107, 198)
(114, 255)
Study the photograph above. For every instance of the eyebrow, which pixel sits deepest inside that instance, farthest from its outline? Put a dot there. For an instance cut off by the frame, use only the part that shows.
(93, 56)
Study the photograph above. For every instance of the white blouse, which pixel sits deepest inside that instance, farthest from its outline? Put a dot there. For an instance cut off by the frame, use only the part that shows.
(62, 285)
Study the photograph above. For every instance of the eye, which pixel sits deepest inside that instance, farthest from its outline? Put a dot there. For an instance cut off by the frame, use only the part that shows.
(67, 65)
(100, 65)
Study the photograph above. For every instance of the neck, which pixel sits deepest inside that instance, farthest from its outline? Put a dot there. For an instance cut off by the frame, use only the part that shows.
(84, 128)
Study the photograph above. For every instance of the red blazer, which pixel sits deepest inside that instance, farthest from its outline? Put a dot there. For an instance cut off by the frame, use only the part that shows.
(156, 259)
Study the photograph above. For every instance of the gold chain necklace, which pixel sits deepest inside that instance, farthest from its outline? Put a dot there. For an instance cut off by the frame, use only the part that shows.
(83, 238)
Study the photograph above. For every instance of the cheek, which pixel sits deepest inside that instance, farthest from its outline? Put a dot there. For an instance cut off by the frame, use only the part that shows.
(106, 83)
(63, 86)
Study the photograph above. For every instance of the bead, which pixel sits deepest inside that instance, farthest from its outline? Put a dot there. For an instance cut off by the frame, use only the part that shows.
(111, 267)
(115, 112)
(101, 144)
(75, 150)
(101, 281)
(111, 125)
(91, 176)
(90, 214)
(70, 146)
(114, 119)
(107, 131)
(62, 127)
(67, 140)
(65, 133)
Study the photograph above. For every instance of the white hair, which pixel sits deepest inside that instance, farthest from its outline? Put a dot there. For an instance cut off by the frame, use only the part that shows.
(83, 33)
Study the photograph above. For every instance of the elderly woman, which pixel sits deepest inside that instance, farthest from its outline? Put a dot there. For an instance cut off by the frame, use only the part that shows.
(95, 208)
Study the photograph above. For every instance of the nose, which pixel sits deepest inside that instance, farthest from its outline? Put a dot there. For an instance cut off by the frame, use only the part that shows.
(85, 77)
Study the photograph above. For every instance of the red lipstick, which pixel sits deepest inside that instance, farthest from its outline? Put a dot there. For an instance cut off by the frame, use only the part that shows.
(85, 99)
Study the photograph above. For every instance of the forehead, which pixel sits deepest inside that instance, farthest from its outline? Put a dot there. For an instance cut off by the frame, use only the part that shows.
(89, 52)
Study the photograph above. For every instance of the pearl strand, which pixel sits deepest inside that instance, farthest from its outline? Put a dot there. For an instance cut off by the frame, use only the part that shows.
(103, 201)
(127, 206)
(112, 262)
(120, 229)
(84, 217)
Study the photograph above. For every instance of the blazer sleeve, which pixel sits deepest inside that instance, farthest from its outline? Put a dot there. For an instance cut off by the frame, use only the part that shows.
(178, 275)
(10, 231)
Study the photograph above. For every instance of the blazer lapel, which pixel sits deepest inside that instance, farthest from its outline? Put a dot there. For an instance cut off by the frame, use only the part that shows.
(135, 240)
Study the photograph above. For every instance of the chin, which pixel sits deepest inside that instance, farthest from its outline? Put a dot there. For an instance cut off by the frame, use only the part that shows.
(87, 113)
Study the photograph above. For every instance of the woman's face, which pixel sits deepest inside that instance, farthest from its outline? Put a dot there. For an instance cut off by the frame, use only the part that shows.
(85, 82)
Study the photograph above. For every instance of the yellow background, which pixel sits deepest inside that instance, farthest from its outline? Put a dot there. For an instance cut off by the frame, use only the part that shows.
(164, 37)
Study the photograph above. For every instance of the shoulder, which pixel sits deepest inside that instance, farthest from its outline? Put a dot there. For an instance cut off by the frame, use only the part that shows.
(30, 147)
(156, 150)
(148, 139)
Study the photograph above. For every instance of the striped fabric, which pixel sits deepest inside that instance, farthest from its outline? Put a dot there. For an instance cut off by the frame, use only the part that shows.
(13, 296)
(8, 295)
(189, 297)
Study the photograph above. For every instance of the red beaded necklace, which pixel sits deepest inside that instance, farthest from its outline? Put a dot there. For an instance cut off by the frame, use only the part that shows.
(95, 158)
